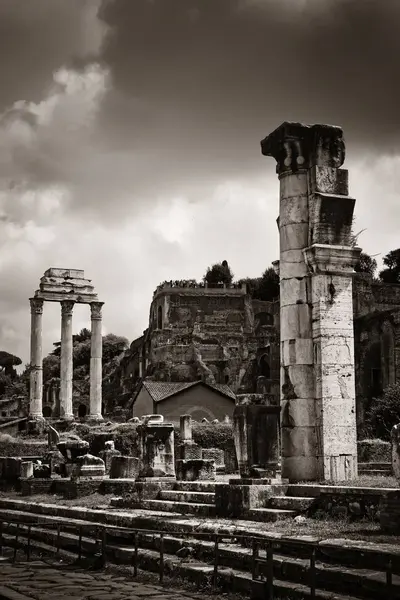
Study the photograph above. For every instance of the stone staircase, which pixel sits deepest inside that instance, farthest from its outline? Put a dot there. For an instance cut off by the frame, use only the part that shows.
(198, 498)
(375, 468)
(283, 506)
(188, 551)
(187, 498)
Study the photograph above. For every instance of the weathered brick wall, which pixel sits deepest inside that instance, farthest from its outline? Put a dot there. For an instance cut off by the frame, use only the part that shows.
(29, 487)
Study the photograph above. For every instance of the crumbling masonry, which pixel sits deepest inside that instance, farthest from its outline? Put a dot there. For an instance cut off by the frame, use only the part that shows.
(317, 259)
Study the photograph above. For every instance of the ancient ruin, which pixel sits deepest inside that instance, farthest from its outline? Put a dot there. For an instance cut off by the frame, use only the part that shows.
(69, 287)
(317, 259)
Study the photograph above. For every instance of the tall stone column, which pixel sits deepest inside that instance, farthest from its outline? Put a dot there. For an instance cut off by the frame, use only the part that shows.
(66, 366)
(96, 357)
(36, 367)
(316, 264)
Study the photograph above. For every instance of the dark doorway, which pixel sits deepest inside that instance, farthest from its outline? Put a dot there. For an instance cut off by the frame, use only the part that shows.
(82, 411)
(376, 382)
(159, 319)
(264, 369)
(47, 411)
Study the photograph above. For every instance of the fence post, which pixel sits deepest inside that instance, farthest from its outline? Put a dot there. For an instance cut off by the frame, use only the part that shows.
(254, 570)
(28, 547)
(389, 576)
(312, 574)
(270, 571)
(161, 557)
(58, 538)
(16, 543)
(215, 574)
(135, 566)
(104, 546)
(80, 543)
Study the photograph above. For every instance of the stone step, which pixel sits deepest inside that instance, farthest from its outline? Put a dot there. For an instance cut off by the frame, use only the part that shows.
(376, 472)
(188, 496)
(195, 486)
(200, 571)
(270, 514)
(182, 508)
(387, 466)
(295, 503)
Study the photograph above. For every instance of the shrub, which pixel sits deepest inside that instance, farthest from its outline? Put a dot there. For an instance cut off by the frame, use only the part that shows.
(384, 412)
(374, 451)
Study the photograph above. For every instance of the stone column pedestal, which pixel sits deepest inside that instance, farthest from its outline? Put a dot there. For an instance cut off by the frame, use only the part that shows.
(36, 368)
(66, 365)
(316, 316)
(96, 357)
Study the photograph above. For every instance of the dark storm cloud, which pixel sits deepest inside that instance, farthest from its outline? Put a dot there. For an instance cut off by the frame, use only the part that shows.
(201, 81)
(195, 84)
(39, 36)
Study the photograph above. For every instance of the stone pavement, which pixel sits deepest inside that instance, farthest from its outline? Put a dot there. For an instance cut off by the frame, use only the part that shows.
(40, 581)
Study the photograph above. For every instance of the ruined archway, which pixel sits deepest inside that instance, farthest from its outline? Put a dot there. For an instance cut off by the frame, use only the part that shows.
(68, 287)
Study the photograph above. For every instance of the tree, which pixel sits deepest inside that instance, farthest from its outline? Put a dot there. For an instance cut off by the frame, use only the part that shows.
(265, 287)
(219, 273)
(269, 285)
(366, 264)
(384, 413)
(392, 263)
(8, 362)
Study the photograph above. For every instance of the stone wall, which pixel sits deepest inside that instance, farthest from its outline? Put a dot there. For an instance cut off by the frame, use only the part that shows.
(217, 335)
(376, 340)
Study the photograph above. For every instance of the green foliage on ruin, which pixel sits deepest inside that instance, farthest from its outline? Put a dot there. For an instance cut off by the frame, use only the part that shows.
(366, 264)
(391, 273)
(11, 384)
(384, 413)
(219, 273)
(265, 287)
(114, 347)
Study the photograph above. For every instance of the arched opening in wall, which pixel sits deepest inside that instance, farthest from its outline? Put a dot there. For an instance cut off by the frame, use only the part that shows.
(47, 412)
(387, 355)
(264, 318)
(82, 411)
(264, 370)
(159, 318)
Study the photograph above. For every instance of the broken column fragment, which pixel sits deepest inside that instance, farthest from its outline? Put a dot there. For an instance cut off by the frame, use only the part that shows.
(317, 259)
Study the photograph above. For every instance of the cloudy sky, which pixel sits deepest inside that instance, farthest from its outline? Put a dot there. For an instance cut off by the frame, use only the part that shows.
(130, 138)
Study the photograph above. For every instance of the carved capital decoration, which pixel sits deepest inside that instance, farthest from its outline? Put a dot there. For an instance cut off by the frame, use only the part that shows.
(36, 306)
(67, 308)
(296, 146)
(95, 310)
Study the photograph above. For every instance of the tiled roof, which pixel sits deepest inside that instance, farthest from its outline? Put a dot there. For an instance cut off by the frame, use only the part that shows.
(160, 390)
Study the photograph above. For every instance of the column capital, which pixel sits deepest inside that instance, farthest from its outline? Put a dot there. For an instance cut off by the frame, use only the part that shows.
(67, 307)
(296, 147)
(95, 310)
(36, 305)
(333, 260)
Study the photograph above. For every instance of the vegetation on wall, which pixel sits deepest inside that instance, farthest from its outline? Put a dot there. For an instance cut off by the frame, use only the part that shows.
(366, 264)
(113, 348)
(384, 413)
(265, 287)
(219, 273)
(11, 384)
(391, 272)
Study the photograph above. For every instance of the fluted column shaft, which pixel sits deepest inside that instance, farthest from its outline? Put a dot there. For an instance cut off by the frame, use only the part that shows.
(36, 372)
(66, 366)
(96, 357)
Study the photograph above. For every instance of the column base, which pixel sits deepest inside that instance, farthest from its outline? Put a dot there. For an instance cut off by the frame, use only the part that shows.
(36, 417)
(68, 418)
(94, 419)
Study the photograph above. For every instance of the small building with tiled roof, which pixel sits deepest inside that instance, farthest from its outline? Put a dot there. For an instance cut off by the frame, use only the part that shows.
(173, 399)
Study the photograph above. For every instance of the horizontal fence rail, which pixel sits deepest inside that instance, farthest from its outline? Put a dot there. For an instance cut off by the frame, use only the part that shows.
(18, 534)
